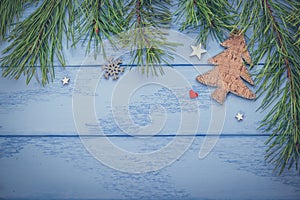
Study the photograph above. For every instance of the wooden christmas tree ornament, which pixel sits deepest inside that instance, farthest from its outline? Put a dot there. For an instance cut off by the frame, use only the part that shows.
(227, 75)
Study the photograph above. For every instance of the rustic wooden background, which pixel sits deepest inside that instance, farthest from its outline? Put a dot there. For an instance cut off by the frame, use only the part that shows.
(42, 150)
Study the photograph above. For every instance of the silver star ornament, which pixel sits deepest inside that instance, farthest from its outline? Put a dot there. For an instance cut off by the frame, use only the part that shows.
(65, 81)
(239, 116)
(197, 51)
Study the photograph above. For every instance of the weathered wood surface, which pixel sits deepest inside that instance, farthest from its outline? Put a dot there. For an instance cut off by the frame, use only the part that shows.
(55, 162)
(35, 109)
(61, 168)
(48, 135)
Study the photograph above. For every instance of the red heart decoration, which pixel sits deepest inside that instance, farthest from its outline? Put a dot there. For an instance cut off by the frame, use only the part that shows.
(193, 94)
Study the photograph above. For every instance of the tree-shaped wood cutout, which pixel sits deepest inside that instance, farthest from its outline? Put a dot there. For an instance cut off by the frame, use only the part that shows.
(227, 75)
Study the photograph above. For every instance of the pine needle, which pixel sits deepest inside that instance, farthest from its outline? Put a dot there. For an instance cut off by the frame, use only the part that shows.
(145, 35)
(10, 13)
(213, 18)
(36, 41)
(275, 26)
(96, 21)
(275, 31)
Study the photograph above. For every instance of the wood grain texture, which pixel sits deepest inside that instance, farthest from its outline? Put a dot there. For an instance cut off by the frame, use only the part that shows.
(34, 109)
(43, 155)
(61, 168)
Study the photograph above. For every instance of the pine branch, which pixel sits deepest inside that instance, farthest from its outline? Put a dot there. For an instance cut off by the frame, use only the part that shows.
(145, 36)
(97, 20)
(294, 20)
(10, 11)
(274, 32)
(37, 41)
(206, 17)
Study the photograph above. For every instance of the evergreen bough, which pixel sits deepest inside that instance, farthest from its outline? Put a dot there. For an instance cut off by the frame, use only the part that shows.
(273, 28)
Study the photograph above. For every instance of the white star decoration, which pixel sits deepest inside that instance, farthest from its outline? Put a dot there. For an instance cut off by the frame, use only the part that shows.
(65, 81)
(197, 51)
(239, 116)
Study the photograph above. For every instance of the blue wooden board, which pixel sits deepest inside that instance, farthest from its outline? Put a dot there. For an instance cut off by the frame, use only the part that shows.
(61, 168)
(51, 108)
(136, 138)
